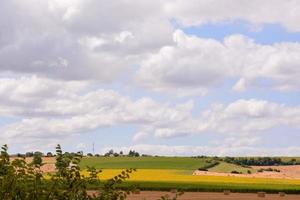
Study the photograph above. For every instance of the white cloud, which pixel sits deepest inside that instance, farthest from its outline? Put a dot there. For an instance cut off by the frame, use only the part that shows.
(79, 39)
(240, 86)
(139, 136)
(54, 54)
(240, 119)
(194, 65)
(52, 110)
(257, 12)
(103, 40)
(81, 146)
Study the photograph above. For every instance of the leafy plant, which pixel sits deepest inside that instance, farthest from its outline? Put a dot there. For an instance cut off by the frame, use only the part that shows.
(20, 180)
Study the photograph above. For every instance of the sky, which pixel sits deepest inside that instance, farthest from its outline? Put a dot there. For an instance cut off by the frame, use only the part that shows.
(162, 77)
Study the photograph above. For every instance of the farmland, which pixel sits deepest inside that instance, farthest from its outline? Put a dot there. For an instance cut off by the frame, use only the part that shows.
(224, 167)
(183, 163)
(164, 173)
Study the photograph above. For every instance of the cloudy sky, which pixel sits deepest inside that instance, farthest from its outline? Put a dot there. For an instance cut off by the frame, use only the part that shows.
(167, 77)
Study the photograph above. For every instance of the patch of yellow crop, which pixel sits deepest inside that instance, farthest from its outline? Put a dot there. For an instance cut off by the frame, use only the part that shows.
(168, 175)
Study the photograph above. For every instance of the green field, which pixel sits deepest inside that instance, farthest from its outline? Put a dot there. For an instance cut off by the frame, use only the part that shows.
(224, 167)
(164, 173)
(183, 163)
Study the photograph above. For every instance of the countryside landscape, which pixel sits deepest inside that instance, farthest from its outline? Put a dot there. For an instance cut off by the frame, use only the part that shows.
(157, 176)
(149, 100)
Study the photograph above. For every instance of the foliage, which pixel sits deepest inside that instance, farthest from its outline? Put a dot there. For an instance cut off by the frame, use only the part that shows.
(25, 181)
(209, 165)
(268, 170)
(133, 153)
(260, 161)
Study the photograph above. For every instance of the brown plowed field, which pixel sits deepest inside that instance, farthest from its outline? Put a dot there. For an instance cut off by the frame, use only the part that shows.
(153, 195)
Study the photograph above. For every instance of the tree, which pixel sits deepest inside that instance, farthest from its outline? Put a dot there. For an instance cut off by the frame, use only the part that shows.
(133, 153)
(49, 154)
(29, 154)
(37, 159)
(22, 181)
(109, 153)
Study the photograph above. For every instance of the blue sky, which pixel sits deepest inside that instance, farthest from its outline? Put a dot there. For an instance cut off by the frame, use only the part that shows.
(169, 78)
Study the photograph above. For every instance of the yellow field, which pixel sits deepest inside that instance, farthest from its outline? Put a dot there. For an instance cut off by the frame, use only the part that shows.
(165, 175)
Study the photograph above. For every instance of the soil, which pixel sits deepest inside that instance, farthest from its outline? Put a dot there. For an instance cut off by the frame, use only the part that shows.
(155, 195)
(286, 172)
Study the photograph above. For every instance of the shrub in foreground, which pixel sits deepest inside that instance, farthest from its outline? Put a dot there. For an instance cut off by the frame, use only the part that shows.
(20, 180)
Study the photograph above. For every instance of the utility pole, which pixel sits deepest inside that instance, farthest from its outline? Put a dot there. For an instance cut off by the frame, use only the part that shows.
(93, 148)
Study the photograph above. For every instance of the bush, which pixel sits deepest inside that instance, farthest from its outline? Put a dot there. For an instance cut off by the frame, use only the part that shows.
(235, 172)
(209, 165)
(25, 181)
(268, 170)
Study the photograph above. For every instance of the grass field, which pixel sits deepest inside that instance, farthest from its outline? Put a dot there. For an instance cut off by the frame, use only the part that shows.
(164, 173)
(183, 163)
(224, 167)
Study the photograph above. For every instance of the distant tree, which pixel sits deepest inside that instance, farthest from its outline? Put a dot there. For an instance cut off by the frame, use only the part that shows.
(78, 153)
(146, 155)
(20, 155)
(90, 154)
(97, 155)
(29, 154)
(37, 159)
(109, 153)
(116, 154)
(133, 153)
(49, 154)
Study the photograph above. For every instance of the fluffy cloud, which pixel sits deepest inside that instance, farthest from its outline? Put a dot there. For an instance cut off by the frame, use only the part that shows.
(79, 39)
(102, 40)
(239, 118)
(53, 109)
(55, 55)
(257, 12)
(58, 109)
(193, 65)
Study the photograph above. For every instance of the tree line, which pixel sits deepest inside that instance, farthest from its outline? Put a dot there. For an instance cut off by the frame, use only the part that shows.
(260, 161)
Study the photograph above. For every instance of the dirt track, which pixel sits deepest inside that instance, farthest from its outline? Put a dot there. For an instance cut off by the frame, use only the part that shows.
(152, 195)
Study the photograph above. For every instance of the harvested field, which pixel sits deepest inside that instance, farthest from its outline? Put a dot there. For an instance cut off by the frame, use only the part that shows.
(154, 195)
(48, 168)
(286, 172)
(49, 163)
(290, 172)
(46, 160)
(211, 196)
